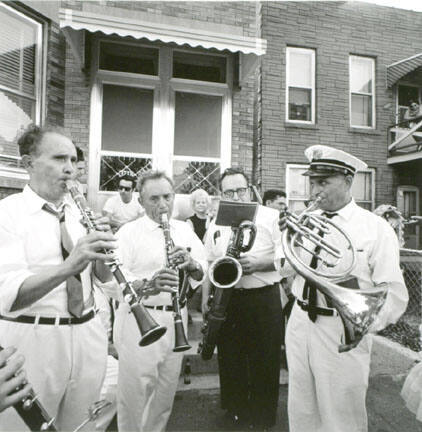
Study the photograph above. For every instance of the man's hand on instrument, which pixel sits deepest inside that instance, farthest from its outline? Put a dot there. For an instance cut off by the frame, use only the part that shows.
(250, 264)
(164, 280)
(102, 223)
(90, 248)
(183, 259)
(11, 377)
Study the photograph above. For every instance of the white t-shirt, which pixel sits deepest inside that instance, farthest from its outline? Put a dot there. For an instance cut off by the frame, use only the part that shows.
(123, 212)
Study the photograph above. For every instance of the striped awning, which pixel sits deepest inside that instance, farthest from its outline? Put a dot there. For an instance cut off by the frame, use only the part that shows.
(398, 70)
(157, 31)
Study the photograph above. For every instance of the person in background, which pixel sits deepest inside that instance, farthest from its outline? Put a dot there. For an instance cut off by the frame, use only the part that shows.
(200, 203)
(81, 177)
(124, 207)
(275, 198)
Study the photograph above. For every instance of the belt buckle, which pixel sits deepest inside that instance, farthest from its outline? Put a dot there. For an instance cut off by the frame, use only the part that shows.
(68, 320)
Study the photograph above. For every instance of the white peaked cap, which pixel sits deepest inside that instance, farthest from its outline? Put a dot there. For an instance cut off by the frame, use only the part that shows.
(326, 161)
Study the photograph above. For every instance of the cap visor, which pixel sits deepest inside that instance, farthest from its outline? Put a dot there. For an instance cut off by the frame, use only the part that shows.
(311, 173)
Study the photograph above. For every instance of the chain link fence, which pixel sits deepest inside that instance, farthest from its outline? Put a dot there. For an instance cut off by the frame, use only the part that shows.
(407, 330)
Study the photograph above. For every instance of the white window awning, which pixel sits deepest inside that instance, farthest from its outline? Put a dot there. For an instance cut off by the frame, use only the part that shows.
(153, 31)
(399, 69)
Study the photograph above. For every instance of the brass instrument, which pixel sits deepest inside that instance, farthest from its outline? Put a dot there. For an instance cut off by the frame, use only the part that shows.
(180, 340)
(33, 413)
(149, 329)
(224, 273)
(356, 308)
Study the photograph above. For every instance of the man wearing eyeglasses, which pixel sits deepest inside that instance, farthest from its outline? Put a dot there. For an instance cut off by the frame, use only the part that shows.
(250, 338)
(124, 207)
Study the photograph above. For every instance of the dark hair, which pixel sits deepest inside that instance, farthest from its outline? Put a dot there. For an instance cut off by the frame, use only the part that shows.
(152, 175)
(79, 154)
(129, 178)
(272, 194)
(232, 171)
(29, 141)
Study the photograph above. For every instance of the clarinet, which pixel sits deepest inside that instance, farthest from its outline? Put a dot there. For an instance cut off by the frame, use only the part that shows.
(180, 342)
(149, 329)
(33, 413)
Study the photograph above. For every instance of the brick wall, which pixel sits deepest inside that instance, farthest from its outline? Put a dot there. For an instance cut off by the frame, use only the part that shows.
(335, 30)
(242, 15)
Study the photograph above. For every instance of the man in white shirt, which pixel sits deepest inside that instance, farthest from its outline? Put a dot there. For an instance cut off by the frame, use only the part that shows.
(327, 389)
(250, 337)
(46, 303)
(124, 207)
(148, 375)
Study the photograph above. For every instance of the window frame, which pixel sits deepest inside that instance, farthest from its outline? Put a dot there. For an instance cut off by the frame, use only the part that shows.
(373, 94)
(16, 172)
(289, 50)
(289, 166)
(164, 87)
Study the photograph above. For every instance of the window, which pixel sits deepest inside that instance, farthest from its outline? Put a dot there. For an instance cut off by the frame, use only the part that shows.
(298, 190)
(408, 204)
(20, 79)
(300, 79)
(362, 92)
(169, 110)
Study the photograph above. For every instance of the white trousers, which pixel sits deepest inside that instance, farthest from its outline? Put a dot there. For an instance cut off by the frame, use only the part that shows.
(65, 366)
(327, 389)
(109, 393)
(148, 376)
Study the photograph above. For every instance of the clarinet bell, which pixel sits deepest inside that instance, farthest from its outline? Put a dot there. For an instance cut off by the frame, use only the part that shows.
(180, 340)
(150, 330)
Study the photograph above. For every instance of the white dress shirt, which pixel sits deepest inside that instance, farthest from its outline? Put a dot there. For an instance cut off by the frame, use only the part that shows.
(267, 241)
(142, 252)
(30, 241)
(377, 260)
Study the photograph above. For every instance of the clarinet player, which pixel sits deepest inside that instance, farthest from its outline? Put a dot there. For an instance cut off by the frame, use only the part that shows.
(148, 375)
(46, 303)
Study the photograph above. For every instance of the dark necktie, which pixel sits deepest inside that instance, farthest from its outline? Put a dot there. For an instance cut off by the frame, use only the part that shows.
(309, 290)
(75, 304)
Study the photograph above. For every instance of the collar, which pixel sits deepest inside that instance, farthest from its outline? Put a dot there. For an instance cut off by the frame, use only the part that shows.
(151, 225)
(35, 203)
(347, 211)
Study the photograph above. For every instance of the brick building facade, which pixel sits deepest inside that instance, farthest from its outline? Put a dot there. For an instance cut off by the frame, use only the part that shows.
(332, 34)
(198, 102)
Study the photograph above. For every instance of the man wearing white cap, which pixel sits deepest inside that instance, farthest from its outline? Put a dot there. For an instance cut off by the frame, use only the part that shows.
(327, 389)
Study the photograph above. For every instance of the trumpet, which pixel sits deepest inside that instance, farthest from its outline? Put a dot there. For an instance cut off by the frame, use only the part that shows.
(180, 340)
(224, 273)
(357, 309)
(149, 329)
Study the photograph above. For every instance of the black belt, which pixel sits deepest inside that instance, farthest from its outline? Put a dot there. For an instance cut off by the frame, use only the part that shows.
(319, 310)
(163, 308)
(26, 319)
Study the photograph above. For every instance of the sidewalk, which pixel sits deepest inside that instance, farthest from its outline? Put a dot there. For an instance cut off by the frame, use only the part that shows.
(199, 409)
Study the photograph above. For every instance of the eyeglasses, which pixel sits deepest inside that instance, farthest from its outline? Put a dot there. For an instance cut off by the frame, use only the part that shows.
(125, 188)
(229, 193)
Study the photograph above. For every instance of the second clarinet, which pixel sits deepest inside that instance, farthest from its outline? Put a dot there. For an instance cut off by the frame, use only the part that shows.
(181, 342)
(149, 329)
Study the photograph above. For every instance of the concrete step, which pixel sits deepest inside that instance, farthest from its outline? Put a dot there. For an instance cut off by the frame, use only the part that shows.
(211, 381)
(197, 365)
(194, 328)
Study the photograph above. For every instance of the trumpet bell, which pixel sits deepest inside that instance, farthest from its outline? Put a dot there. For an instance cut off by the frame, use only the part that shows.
(225, 272)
